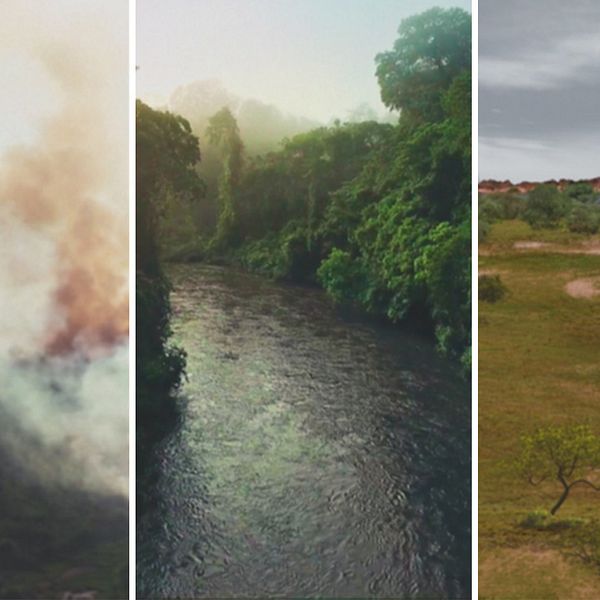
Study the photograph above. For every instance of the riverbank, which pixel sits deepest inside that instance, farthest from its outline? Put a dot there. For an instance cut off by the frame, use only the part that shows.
(416, 321)
(316, 456)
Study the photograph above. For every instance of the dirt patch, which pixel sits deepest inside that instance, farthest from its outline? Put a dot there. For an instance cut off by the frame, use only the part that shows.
(583, 288)
(481, 272)
(589, 247)
(529, 245)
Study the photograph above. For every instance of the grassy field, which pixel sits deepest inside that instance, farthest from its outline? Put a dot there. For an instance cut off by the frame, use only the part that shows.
(539, 364)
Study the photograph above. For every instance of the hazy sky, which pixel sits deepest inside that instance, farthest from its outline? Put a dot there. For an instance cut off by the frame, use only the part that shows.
(30, 94)
(313, 58)
(539, 89)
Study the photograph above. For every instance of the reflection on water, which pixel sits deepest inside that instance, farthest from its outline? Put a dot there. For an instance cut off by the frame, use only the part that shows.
(315, 456)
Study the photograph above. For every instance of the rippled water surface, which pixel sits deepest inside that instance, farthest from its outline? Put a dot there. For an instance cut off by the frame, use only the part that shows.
(315, 456)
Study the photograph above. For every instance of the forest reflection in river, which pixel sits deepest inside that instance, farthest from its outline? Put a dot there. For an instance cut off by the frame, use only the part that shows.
(315, 455)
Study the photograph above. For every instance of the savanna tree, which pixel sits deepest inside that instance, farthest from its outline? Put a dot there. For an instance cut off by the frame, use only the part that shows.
(567, 455)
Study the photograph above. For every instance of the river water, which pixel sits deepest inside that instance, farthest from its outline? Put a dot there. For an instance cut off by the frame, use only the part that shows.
(315, 456)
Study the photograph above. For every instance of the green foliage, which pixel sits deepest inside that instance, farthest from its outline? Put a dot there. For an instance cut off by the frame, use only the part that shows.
(410, 227)
(378, 214)
(347, 280)
(584, 218)
(483, 229)
(546, 206)
(581, 191)
(432, 49)
(445, 269)
(223, 132)
(491, 289)
(281, 255)
(159, 366)
(166, 155)
(566, 455)
(536, 519)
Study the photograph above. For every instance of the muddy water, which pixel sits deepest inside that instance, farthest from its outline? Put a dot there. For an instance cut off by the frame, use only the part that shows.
(314, 456)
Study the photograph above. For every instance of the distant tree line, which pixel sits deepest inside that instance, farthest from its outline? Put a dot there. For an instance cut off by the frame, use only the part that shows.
(577, 207)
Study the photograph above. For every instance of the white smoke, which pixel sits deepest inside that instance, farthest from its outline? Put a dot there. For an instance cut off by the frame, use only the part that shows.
(64, 248)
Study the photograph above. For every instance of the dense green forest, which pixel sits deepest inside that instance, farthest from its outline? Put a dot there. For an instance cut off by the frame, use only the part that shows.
(376, 213)
(166, 153)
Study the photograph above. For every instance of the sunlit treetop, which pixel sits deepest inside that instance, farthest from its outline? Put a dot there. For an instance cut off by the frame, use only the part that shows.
(431, 50)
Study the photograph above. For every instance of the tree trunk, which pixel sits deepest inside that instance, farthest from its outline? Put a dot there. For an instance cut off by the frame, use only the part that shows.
(560, 500)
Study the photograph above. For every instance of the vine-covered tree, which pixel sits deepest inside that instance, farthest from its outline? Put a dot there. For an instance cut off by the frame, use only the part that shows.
(166, 153)
(223, 132)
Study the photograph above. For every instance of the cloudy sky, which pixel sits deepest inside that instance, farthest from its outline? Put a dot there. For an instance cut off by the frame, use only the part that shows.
(539, 89)
(313, 58)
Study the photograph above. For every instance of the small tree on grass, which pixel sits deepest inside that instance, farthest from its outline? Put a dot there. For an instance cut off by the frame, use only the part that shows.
(491, 288)
(566, 455)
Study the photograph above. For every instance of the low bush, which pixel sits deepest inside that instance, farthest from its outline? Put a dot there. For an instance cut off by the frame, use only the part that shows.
(543, 520)
(584, 218)
(491, 288)
(546, 206)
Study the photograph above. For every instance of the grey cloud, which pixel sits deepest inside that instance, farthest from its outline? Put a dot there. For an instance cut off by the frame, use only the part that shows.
(539, 84)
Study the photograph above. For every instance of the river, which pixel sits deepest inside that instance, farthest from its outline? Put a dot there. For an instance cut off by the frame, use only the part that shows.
(315, 456)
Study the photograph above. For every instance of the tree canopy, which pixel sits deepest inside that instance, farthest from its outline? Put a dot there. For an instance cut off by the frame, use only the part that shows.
(566, 455)
(166, 155)
(378, 214)
(431, 50)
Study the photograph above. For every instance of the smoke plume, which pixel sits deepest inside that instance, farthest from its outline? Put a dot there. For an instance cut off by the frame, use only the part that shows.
(64, 249)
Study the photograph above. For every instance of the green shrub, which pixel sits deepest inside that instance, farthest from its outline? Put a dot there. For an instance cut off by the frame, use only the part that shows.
(536, 519)
(584, 218)
(483, 229)
(546, 206)
(491, 288)
(511, 206)
(543, 520)
(489, 209)
(581, 191)
(344, 278)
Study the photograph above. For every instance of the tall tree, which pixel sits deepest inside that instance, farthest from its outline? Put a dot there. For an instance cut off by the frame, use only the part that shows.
(223, 132)
(166, 153)
(431, 50)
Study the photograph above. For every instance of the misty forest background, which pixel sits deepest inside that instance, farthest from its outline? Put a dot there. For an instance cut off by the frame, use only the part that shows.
(376, 213)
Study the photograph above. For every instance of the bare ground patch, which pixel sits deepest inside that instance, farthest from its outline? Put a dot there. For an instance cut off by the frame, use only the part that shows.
(540, 573)
(588, 247)
(587, 287)
(528, 245)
